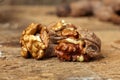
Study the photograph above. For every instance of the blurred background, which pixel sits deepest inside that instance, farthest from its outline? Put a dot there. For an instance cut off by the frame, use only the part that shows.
(24, 11)
(37, 10)
(32, 2)
(16, 15)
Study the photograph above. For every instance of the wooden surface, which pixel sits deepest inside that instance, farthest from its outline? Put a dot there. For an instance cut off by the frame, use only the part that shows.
(14, 67)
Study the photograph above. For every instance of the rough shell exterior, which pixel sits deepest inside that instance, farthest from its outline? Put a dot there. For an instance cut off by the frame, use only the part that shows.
(74, 44)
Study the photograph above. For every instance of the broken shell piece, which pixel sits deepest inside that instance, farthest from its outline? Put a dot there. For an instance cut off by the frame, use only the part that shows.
(34, 41)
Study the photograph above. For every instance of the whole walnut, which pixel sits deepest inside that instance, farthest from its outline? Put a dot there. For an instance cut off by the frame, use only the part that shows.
(34, 41)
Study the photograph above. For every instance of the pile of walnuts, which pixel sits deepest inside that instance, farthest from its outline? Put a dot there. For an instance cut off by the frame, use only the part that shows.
(104, 10)
(60, 39)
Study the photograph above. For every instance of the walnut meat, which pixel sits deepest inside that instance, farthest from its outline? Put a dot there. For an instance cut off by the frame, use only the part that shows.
(34, 41)
(77, 45)
(61, 30)
(64, 40)
(67, 51)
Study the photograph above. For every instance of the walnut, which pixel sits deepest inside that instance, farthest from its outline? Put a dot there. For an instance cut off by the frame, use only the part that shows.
(104, 10)
(34, 41)
(68, 51)
(80, 8)
(63, 40)
(75, 50)
(84, 47)
(63, 10)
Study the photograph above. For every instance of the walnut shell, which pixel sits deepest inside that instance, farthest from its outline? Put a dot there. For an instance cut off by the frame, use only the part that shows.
(63, 40)
(84, 47)
(34, 41)
(93, 43)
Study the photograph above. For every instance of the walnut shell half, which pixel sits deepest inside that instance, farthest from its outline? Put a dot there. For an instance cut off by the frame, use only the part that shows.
(84, 47)
(34, 41)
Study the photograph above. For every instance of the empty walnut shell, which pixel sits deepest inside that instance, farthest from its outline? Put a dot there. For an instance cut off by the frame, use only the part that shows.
(34, 41)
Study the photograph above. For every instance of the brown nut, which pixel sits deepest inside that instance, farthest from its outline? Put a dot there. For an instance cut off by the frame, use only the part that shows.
(85, 47)
(63, 40)
(80, 8)
(34, 41)
(71, 50)
(69, 33)
(63, 10)
(92, 43)
(104, 10)
(75, 9)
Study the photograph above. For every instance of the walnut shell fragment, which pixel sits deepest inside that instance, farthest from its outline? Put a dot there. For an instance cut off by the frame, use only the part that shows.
(34, 41)
(74, 44)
